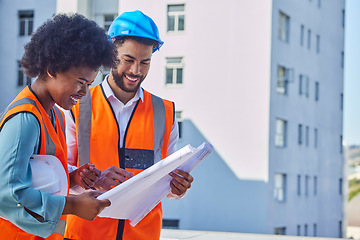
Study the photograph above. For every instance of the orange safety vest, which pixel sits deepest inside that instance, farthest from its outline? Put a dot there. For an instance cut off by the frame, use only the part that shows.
(146, 142)
(52, 142)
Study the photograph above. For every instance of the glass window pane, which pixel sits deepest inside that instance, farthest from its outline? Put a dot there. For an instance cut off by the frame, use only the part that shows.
(108, 18)
(179, 72)
(28, 80)
(30, 27)
(20, 78)
(171, 23)
(169, 76)
(181, 23)
(176, 8)
(282, 81)
(22, 27)
(173, 60)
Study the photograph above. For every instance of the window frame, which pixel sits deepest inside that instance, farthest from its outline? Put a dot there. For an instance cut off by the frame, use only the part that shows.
(300, 134)
(317, 85)
(107, 23)
(178, 115)
(299, 185)
(280, 134)
(280, 231)
(317, 43)
(21, 77)
(307, 185)
(174, 66)
(282, 80)
(176, 15)
(302, 34)
(284, 27)
(309, 39)
(26, 22)
(280, 187)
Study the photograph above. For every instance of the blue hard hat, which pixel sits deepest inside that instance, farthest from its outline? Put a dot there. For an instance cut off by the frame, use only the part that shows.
(135, 24)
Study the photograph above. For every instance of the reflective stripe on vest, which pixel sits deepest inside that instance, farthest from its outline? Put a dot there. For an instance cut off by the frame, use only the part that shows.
(84, 132)
(50, 145)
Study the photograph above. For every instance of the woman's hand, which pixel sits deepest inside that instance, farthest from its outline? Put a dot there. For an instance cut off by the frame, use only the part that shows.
(85, 205)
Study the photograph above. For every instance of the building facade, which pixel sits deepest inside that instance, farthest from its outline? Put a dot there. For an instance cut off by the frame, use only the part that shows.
(262, 81)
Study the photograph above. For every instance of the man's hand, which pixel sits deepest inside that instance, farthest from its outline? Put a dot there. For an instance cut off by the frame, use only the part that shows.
(181, 182)
(85, 176)
(112, 176)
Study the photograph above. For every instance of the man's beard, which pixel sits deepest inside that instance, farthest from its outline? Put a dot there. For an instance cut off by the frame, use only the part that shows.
(119, 81)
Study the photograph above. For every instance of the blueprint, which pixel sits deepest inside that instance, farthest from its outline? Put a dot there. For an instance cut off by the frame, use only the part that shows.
(136, 197)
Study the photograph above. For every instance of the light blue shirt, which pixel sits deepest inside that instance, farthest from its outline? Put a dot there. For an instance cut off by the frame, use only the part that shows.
(19, 139)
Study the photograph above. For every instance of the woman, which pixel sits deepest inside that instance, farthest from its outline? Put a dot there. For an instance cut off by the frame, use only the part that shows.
(64, 54)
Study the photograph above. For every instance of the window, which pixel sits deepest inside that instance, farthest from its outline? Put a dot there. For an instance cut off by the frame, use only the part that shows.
(26, 22)
(307, 82)
(176, 18)
(179, 119)
(300, 134)
(343, 18)
(306, 185)
(302, 32)
(174, 71)
(318, 43)
(340, 229)
(280, 133)
(341, 144)
(315, 185)
(104, 73)
(340, 186)
(315, 137)
(342, 59)
(280, 187)
(282, 80)
(309, 39)
(316, 91)
(315, 230)
(298, 232)
(341, 101)
(304, 85)
(319, 3)
(301, 80)
(108, 19)
(299, 185)
(307, 136)
(305, 230)
(284, 27)
(280, 231)
(170, 223)
(22, 78)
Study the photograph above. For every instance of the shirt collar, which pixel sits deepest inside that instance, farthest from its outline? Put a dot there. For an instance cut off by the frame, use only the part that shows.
(110, 94)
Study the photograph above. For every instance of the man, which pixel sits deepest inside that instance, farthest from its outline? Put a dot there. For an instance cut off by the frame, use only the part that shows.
(128, 129)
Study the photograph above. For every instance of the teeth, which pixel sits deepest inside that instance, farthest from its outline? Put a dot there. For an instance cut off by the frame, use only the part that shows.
(131, 79)
(73, 99)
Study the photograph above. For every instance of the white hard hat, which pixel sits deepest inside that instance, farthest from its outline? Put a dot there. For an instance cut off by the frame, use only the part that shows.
(48, 174)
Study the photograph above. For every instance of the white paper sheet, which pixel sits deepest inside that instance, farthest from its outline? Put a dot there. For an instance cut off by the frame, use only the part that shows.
(136, 197)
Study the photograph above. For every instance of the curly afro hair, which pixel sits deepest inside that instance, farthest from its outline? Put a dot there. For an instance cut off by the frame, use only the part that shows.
(65, 41)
